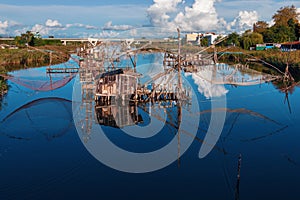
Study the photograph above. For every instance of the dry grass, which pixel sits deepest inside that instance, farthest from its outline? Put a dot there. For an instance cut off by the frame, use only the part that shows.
(13, 59)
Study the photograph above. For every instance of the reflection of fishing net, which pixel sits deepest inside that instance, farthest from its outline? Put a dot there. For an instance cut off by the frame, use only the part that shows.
(234, 75)
(41, 85)
(151, 68)
(243, 125)
(243, 130)
(51, 117)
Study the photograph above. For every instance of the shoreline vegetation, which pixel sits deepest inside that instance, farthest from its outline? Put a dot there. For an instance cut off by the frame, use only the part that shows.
(31, 57)
(23, 58)
(258, 59)
(254, 58)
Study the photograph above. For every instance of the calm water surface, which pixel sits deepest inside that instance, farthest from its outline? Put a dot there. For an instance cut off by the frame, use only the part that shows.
(43, 157)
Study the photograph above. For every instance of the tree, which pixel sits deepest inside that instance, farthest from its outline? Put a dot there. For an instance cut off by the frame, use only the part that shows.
(260, 27)
(25, 39)
(279, 34)
(256, 38)
(233, 39)
(246, 41)
(250, 39)
(286, 27)
(297, 31)
(284, 14)
(28, 38)
(204, 42)
(294, 29)
(269, 36)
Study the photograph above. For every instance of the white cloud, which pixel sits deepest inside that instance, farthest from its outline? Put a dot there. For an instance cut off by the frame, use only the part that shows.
(208, 89)
(3, 27)
(53, 23)
(19, 31)
(79, 25)
(36, 14)
(192, 15)
(8, 27)
(89, 27)
(54, 26)
(43, 30)
(105, 34)
(141, 32)
(159, 13)
(244, 21)
(49, 27)
(109, 26)
(202, 15)
(4, 24)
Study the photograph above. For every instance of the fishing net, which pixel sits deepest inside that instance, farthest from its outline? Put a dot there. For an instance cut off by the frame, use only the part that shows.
(40, 85)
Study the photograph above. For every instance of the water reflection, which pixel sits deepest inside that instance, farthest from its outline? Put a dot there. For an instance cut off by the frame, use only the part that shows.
(117, 115)
(252, 128)
(48, 117)
(34, 79)
(3, 89)
(210, 79)
(120, 115)
(238, 75)
(288, 87)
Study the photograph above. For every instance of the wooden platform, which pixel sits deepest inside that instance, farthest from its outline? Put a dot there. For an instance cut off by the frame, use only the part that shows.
(62, 70)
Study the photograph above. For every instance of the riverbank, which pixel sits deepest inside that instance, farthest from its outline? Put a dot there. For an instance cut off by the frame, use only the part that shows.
(274, 57)
(16, 59)
(3, 89)
(23, 58)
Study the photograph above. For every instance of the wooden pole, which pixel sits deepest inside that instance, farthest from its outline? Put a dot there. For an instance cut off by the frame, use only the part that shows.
(237, 189)
(50, 62)
(179, 93)
(179, 63)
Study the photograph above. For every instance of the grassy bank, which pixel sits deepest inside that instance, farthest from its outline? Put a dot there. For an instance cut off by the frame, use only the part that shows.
(3, 89)
(275, 57)
(15, 59)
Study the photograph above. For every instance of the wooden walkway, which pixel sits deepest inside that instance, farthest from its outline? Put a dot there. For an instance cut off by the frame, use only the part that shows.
(65, 70)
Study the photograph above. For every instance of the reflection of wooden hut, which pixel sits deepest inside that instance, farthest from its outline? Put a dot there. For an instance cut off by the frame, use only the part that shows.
(118, 83)
(118, 116)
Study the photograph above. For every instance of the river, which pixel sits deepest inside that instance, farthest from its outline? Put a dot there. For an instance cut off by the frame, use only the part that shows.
(51, 146)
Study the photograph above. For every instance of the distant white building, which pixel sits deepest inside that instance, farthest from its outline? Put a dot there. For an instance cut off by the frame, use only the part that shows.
(195, 38)
(6, 46)
(211, 37)
(36, 34)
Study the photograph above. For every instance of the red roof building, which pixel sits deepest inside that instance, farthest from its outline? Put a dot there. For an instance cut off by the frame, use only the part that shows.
(290, 46)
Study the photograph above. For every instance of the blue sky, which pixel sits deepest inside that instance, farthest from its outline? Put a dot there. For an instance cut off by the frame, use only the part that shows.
(74, 2)
(90, 18)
